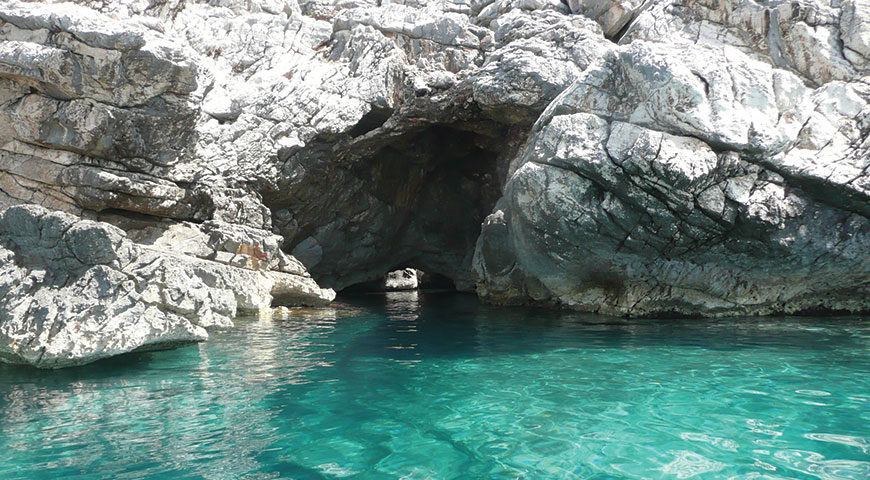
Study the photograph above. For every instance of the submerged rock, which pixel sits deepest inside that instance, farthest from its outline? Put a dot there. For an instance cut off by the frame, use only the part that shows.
(73, 291)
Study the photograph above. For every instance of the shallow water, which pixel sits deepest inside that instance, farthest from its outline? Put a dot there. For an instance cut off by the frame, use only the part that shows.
(440, 387)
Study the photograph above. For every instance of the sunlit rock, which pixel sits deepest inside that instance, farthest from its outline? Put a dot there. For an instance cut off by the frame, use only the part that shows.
(73, 291)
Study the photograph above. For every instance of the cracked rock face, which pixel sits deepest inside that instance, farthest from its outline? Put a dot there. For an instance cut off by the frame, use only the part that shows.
(661, 182)
(73, 291)
(369, 135)
(615, 156)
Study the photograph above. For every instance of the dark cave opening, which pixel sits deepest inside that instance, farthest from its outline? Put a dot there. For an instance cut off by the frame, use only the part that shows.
(434, 281)
(438, 185)
(412, 197)
(374, 119)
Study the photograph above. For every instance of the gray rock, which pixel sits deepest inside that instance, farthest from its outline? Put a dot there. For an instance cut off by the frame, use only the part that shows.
(74, 291)
(819, 40)
(293, 105)
(709, 152)
(612, 15)
(650, 187)
(405, 279)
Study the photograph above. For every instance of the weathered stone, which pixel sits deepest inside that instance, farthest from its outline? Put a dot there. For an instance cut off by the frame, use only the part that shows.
(664, 184)
(405, 279)
(73, 291)
(633, 157)
(296, 104)
(819, 40)
(612, 15)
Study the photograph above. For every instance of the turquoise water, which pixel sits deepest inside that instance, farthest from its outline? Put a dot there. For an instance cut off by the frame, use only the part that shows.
(440, 387)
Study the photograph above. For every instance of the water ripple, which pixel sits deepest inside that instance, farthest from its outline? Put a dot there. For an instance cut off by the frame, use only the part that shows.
(416, 386)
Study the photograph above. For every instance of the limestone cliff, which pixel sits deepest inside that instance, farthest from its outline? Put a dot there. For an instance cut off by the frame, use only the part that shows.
(624, 157)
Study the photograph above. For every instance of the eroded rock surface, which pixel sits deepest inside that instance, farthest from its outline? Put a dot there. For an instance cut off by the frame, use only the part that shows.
(618, 156)
(662, 182)
(386, 126)
(73, 291)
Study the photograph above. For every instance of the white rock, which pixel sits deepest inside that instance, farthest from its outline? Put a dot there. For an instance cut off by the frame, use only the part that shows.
(75, 291)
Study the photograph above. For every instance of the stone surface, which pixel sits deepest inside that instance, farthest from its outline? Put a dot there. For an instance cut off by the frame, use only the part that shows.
(614, 16)
(610, 155)
(386, 126)
(405, 279)
(661, 182)
(73, 291)
(820, 40)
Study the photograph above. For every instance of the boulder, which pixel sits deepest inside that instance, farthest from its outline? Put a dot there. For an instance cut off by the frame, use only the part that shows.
(662, 183)
(405, 279)
(73, 291)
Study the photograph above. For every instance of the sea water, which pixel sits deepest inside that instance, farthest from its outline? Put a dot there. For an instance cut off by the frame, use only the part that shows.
(438, 386)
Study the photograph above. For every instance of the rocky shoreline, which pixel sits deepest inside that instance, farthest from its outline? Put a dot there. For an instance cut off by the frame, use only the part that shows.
(168, 164)
(75, 290)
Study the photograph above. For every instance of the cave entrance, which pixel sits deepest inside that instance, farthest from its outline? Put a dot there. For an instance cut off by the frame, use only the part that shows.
(353, 210)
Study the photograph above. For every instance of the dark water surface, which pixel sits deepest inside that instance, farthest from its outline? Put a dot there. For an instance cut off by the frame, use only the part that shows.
(440, 387)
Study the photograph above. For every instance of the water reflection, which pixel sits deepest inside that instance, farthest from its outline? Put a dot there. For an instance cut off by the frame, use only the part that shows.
(457, 325)
(416, 385)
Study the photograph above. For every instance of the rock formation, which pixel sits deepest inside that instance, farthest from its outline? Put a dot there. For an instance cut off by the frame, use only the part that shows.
(681, 174)
(622, 156)
(404, 279)
(73, 290)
